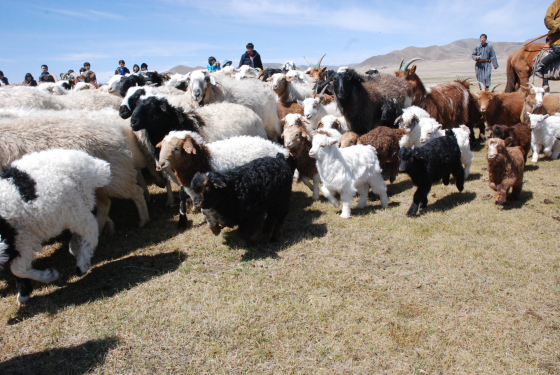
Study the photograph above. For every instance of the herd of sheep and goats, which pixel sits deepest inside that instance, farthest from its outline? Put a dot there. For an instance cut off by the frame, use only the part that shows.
(236, 140)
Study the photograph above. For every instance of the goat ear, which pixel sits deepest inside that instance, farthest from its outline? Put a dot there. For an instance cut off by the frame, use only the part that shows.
(188, 146)
(412, 70)
(438, 127)
(322, 69)
(332, 141)
(525, 88)
(289, 79)
(159, 145)
(306, 135)
(320, 124)
(508, 142)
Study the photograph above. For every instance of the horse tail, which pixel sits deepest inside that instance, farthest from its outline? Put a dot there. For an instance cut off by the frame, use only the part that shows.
(512, 77)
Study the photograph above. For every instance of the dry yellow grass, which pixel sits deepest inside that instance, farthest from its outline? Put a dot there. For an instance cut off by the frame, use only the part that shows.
(467, 287)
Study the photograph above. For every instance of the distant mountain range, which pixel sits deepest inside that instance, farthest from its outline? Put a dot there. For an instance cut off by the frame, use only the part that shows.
(458, 50)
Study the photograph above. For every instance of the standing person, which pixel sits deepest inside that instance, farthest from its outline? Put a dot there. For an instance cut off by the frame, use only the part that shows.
(3, 79)
(135, 68)
(90, 76)
(213, 65)
(144, 67)
(485, 57)
(45, 76)
(29, 81)
(252, 57)
(122, 70)
(552, 23)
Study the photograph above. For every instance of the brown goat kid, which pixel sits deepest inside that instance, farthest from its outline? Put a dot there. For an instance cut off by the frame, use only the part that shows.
(500, 108)
(519, 134)
(505, 169)
(285, 109)
(385, 140)
(298, 141)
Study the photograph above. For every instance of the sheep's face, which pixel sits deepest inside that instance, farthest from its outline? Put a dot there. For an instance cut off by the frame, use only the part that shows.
(130, 101)
(348, 139)
(199, 84)
(174, 151)
(310, 106)
(321, 141)
(294, 136)
(537, 120)
(428, 132)
(207, 188)
(407, 157)
(148, 111)
(114, 84)
(279, 82)
(496, 149)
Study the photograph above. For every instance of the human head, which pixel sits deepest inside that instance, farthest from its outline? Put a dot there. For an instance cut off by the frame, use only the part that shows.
(483, 38)
(211, 60)
(136, 68)
(1, 74)
(87, 65)
(82, 70)
(44, 68)
(121, 63)
(28, 77)
(144, 66)
(250, 48)
(227, 63)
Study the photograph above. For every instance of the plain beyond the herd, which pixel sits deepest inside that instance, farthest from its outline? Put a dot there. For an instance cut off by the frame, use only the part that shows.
(235, 141)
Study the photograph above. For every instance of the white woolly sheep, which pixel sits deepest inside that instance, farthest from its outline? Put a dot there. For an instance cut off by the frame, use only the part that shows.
(101, 134)
(205, 88)
(43, 194)
(186, 153)
(288, 91)
(28, 97)
(409, 114)
(347, 171)
(545, 131)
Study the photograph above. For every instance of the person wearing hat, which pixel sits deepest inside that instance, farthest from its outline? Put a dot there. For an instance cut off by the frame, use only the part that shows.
(135, 68)
(122, 70)
(144, 67)
(45, 76)
(29, 81)
(90, 76)
(3, 79)
(251, 58)
(213, 65)
(227, 63)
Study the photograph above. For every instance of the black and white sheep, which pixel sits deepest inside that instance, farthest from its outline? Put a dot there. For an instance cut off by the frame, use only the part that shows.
(431, 163)
(253, 196)
(43, 194)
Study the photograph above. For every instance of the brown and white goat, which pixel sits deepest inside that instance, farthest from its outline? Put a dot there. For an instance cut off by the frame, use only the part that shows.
(316, 72)
(538, 102)
(287, 91)
(286, 109)
(505, 169)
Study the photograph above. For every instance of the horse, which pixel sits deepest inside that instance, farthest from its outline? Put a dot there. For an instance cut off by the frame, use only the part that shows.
(520, 66)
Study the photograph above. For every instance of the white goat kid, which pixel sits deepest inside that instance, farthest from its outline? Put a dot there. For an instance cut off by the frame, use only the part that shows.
(347, 171)
(545, 132)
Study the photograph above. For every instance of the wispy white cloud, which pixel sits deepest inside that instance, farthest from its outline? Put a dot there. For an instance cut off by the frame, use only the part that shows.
(106, 14)
(87, 14)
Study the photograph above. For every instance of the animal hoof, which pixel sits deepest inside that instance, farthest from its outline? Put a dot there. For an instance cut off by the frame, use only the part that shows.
(81, 272)
(345, 216)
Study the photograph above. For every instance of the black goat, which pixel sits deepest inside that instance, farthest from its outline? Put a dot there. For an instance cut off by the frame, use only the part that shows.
(390, 111)
(360, 99)
(431, 163)
(320, 85)
(269, 72)
(245, 196)
(142, 79)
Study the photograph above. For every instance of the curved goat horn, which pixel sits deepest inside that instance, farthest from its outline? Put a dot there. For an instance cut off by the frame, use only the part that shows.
(494, 88)
(401, 65)
(321, 59)
(310, 64)
(481, 85)
(407, 64)
(324, 89)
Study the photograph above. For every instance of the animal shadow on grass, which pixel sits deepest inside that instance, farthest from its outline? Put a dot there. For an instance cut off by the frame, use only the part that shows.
(399, 187)
(473, 177)
(449, 202)
(371, 207)
(78, 359)
(531, 167)
(518, 203)
(299, 226)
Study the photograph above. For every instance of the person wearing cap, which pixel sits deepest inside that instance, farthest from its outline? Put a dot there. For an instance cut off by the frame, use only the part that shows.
(213, 65)
(29, 81)
(135, 68)
(90, 76)
(251, 58)
(45, 76)
(227, 63)
(3, 79)
(122, 70)
(144, 67)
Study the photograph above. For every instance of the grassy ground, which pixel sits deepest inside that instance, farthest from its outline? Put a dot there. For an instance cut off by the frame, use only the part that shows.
(467, 287)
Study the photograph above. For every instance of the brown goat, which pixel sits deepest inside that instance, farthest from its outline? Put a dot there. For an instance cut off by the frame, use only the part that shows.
(500, 108)
(539, 103)
(519, 134)
(284, 109)
(385, 140)
(448, 103)
(505, 169)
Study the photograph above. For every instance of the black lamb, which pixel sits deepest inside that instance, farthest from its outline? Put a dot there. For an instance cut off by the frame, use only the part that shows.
(269, 72)
(429, 164)
(254, 196)
(390, 111)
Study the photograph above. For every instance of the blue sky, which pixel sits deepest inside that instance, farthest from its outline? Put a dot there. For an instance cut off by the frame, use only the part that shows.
(166, 33)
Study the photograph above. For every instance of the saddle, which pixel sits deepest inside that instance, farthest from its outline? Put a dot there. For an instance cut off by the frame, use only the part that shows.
(551, 71)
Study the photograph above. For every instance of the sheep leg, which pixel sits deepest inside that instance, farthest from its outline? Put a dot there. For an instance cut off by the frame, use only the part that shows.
(363, 192)
(278, 228)
(420, 197)
(467, 159)
(329, 195)
(394, 169)
(316, 185)
(296, 176)
(143, 185)
(24, 288)
(88, 233)
(105, 223)
(548, 151)
(379, 187)
(459, 173)
(516, 191)
(22, 265)
(305, 180)
(183, 221)
(138, 198)
(555, 150)
(536, 150)
(346, 199)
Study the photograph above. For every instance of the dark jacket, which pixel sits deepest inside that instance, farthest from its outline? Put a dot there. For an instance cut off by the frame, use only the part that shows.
(246, 60)
(5, 81)
(49, 77)
(31, 83)
(125, 71)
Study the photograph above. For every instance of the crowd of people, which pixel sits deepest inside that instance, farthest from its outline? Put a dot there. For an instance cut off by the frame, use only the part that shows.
(251, 58)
